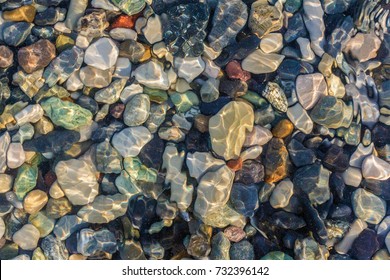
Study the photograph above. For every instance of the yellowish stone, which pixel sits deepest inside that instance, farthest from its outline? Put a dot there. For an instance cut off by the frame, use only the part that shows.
(228, 128)
(63, 42)
(35, 201)
(24, 13)
(283, 129)
(325, 65)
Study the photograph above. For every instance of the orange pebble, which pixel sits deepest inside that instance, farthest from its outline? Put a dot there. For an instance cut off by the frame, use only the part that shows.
(235, 164)
(124, 21)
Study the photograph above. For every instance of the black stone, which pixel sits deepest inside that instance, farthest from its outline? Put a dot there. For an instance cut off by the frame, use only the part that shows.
(337, 186)
(244, 198)
(263, 246)
(336, 159)
(88, 103)
(377, 187)
(197, 142)
(47, 17)
(381, 134)
(365, 245)
(106, 132)
(299, 154)
(151, 153)
(287, 220)
(296, 28)
(56, 141)
(142, 214)
(233, 88)
(213, 107)
(340, 212)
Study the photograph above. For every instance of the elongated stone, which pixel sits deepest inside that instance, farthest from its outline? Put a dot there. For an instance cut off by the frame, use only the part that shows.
(110, 94)
(65, 113)
(26, 180)
(282, 193)
(15, 155)
(228, 128)
(346, 243)
(75, 12)
(313, 16)
(259, 62)
(137, 110)
(78, 181)
(276, 161)
(53, 142)
(265, 18)
(30, 114)
(15, 34)
(67, 225)
(5, 140)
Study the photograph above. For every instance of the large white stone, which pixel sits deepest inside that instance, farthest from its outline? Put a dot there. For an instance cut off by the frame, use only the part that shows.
(189, 68)
(346, 243)
(199, 163)
(360, 154)
(153, 30)
(259, 62)
(78, 181)
(310, 88)
(258, 136)
(375, 168)
(15, 155)
(282, 193)
(130, 141)
(300, 118)
(151, 74)
(102, 54)
(27, 237)
(30, 114)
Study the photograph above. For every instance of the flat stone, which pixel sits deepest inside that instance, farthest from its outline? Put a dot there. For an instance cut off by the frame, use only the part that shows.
(259, 62)
(67, 225)
(90, 242)
(54, 248)
(26, 180)
(272, 43)
(313, 17)
(220, 246)
(375, 168)
(42, 222)
(199, 163)
(189, 68)
(110, 94)
(36, 56)
(108, 159)
(94, 77)
(130, 141)
(53, 142)
(104, 209)
(363, 46)
(102, 54)
(276, 161)
(310, 88)
(15, 34)
(78, 181)
(151, 74)
(153, 30)
(282, 193)
(6, 182)
(244, 199)
(368, 206)
(27, 237)
(228, 128)
(137, 110)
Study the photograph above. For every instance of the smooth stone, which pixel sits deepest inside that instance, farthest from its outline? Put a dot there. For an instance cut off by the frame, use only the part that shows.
(15, 34)
(36, 56)
(277, 255)
(314, 181)
(76, 11)
(102, 54)
(132, 50)
(123, 34)
(229, 18)
(378, 187)
(29, 114)
(233, 88)
(27, 237)
(184, 101)
(365, 245)
(375, 168)
(122, 68)
(5, 141)
(56, 208)
(242, 250)
(276, 161)
(213, 191)
(209, 91)
(313, 17)
(299, 154)
(282, 193)
(137, 110)
(54, 142)
(54, 249)
(61, 67)
(104, 209)
(310, 88)
(30, 84)
(296, 28)
(26, 180)
(220, 246)
(382, 254)
(234, 234)
(6, 57)
(130, 141)
(25, 132)
(286, 220)
(66, 114)
(35, 201)
(251, 153)
(336, 159)
(90, 242)
(131, 7)
(94, 77)
(234, 119)
(363, 47)
(72, 173)
(199, 163)
(42, 222)
(283, 129)
(67, 225)
(309, 249)
(244, 198)
(234, 71)
(335, 86)
(276, 96)
(108, 160)
(151, 74)
(368, 206)
(265, 18)
(156, 117)
(189, 68)
(271, 43)
(130, 91)
(306, 51)
(91, 26)
(2, 227)
(251, 172)
(15, 155)
(360, 154)
(259, 62)
(352, 177)
(153, 30)
(6, 182)
(110, 94)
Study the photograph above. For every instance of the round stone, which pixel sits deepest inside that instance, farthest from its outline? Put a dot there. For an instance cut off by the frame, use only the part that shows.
(310, 88)
(137, 110)
(27, 237)
(282, 193)
(35, 201)
(6, 57)
(102, 54)
(130, 141)
(368, 206)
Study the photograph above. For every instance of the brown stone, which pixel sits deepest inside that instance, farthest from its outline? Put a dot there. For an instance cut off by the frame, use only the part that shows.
(234, 71)
(24, 13)
(283, 129)
(276, 161)
(234, 234)
(147, 54)
(35, 201)
(36, 56)
(116, 110)
(202, 123)
(6, 57)
(235, 164)
(124, 21)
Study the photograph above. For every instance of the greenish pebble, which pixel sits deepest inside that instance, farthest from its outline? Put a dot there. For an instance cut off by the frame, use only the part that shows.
(126, 184)
(351, 134)
(130, 7)
(26, 180)
(139, 171)
(66, 114)
(156, 95)
(38, 255)
(46, 92)
(184, 101)
(44, 224)
(108, 158)
(9, 251)
(255, 99)
(276, 255)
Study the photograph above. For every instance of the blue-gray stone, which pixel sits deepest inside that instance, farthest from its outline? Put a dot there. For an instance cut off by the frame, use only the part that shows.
(54, 248)
(90, 242)
(296, 28)
(244, 198)
(67, 225)
(299, 154)
(242, 250)
(287, 220)
(16, 33)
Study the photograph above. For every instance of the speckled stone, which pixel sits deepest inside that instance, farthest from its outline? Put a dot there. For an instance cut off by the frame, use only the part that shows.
(242, 250)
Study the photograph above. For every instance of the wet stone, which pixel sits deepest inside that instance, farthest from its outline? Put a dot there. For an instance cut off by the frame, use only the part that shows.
(57, 208)
(251, 172)
(288, 220)
(365, 245)
(244, 198)
(368, 206)
(299, 154)
(42, 222)
(90, 242)
(36, 56)
(276, 161)
(27, 237)
(15, 34)
(6, 57)
(336, 159)
(54, 248)
(220, 246)
(242, 250)
(54, 142)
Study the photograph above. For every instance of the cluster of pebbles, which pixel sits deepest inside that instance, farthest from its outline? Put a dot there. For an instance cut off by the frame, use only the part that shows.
(194, 129)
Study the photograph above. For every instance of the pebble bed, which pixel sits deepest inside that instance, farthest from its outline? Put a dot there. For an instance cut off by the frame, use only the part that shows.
(194, 129)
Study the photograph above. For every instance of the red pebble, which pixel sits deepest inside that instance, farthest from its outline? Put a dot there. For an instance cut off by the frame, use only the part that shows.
(235, 164)
(124, 21)
(234, 71)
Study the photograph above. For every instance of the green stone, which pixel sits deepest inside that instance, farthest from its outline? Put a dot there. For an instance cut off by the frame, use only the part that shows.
(130, 7)
(351, 135)
(44, 224)
(184, 101)
(9, 251)
(66, 114)
(255, 99)
(138, 171)
(156, 95)
(127, 185)
(276, 255)
(38, 255)
(46, 92)
(26, 180)
(108, 158)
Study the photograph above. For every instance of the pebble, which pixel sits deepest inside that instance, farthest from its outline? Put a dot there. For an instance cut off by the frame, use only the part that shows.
(6, 57)
(242, 250)
(102, 54)
(244, 198)
(27, 237)
(67, 225)
(228, 127)
(272, 43)
(220, 246)
(130, 7)
(2, 227)
(352, 177)
(363, 47)
(276, 161)
(35, 201)
(368, 206)
(15, 34)
(94, 77)
(234, 234)
(151, 74)
(90, 242)
(5, 141)
(15, 155)
(309, 249)
(259, 62)
(36, 56)
(265, 18)
(54, 249)
(25, 180)
(189, 68)
(365, 245)
(76, 11)
(42, 222)
(130, 141)
(57, 208)
(6, 182)
(199, 163)
(282, 193)
(313, 17)
(375, 168)
(283, 129)
(153, 30)
(299, 154)
(78, 173)
(310, 88)
(110, 94)
(251, 172)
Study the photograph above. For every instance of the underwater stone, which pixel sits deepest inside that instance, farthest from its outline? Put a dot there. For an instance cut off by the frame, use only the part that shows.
(368, 206)
(130, 141)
